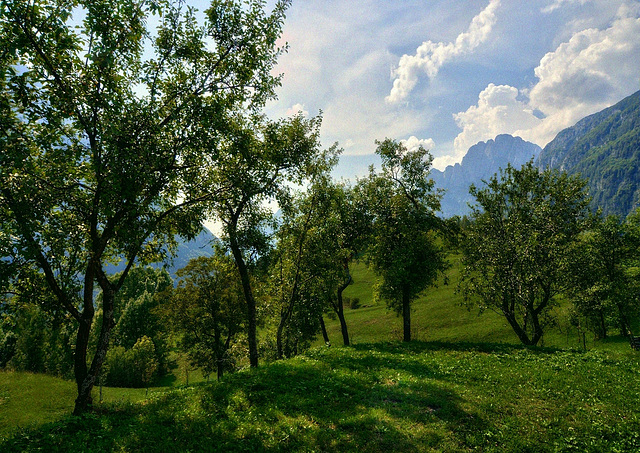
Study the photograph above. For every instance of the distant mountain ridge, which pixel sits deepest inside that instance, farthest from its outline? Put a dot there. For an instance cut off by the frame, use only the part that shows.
(604, 148)
(482, 161)
(201, 245)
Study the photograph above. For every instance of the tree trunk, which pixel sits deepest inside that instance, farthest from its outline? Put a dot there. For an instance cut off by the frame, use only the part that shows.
(340, 309)
(603, 326)
(219, 353)
(519, 331)
(325, 335)
(279, 334)
(406, 316)
(249, 299)
(84, 400)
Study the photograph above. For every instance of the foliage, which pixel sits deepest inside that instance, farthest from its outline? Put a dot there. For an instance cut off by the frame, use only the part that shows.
(383, 397)
(258, 165)
(107, 136)
(206, 311)
(518, 247)
(321, 232)
(34, 339)
(404, 249)
(135, 367)
(604, 287)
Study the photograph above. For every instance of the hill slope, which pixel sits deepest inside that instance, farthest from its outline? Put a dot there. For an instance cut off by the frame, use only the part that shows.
(379, 398)
(605, 149)
(481, 161)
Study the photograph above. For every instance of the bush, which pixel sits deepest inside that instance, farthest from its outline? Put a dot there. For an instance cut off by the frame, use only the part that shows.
(133, 367)
(354, 303)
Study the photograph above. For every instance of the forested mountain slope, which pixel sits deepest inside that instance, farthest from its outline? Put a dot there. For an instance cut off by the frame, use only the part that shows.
(605, 149)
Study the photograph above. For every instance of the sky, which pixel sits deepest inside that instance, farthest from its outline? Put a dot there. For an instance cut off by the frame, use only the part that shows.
(447, 74)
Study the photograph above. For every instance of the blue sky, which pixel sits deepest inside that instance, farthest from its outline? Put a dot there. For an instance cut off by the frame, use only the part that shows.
(447, 74)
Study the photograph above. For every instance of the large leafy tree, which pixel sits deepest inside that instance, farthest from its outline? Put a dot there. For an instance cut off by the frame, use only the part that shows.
(517, 252)
(102, 134)
(405, 249)
(604, 287)
(259, 165)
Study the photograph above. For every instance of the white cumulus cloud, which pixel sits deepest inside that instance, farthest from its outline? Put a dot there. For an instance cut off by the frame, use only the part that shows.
(296, 109)
(555, 4)
(498, 112)
(414, 142)
(431, 56)
(592, 70)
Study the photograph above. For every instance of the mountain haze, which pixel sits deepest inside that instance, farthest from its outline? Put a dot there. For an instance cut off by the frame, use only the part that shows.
(482, 161)
(201, 245)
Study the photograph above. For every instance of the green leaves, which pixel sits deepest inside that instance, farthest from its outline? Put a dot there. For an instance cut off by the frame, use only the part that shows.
(404, 249)
(517, 249)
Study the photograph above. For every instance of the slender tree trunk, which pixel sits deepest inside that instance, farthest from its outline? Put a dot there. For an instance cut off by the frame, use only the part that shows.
(343, 322)
(406, 316)
(603, 326)
(249, 299)
(219, 354)
(624, 322)
(340, 308)
(279, 334)
(325, 335)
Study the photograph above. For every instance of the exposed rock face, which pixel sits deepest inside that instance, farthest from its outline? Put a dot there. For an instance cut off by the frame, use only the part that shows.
(482, 161)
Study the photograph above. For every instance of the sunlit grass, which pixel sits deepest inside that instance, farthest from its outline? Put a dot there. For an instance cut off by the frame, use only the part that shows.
(423, 396)
(439, 315)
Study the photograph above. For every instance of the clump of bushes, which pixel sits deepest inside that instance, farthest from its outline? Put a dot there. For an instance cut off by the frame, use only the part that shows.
(135, 367)
(352, 303)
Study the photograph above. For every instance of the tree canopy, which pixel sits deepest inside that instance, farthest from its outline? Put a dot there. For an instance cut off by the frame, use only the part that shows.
(107, 130)
(516, 254)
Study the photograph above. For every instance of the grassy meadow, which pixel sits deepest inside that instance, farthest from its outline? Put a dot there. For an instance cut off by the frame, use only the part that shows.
(464, 385)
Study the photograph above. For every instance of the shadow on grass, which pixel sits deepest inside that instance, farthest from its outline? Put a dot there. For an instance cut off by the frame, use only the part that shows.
(373, 398)
(462, 346)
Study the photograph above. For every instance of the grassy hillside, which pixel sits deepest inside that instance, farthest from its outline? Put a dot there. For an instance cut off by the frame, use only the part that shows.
(465, 385)
(438, 315)
(425, 396)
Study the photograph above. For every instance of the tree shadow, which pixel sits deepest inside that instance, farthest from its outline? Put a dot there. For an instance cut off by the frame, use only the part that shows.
(381, 400)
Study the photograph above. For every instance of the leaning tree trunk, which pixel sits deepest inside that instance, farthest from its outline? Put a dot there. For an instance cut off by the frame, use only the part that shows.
(325, 335)
(249, 299)
(340, 313)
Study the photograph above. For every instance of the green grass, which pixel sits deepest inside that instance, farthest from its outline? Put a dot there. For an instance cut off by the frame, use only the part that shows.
(424, 396)
(464, 385)
(438, 315)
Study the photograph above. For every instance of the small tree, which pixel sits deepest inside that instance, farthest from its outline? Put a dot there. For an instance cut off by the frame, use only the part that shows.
(404, 247)
(516, 254)
(604, 287)
(207, 312)
(257, 165)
